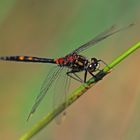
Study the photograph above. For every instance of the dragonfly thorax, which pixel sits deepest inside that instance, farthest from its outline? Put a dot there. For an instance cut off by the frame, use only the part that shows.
(78, 63)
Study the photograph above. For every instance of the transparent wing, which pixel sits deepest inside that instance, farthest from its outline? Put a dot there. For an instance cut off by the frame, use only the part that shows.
(109, 32)
(60, 95)
(49, 80)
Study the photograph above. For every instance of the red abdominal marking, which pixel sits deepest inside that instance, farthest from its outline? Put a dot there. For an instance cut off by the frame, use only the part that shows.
(65, 61)
(60, 61)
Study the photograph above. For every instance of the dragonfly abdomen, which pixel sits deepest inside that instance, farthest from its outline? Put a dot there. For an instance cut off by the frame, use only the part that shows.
(27, 59)
(65, 61)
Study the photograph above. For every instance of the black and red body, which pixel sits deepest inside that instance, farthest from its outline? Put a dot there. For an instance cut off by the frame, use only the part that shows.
(73, 61)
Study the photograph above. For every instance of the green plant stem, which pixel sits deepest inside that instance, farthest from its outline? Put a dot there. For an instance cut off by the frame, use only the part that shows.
(77, 93)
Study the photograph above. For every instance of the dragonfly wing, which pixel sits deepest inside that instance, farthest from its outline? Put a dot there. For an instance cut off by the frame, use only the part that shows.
(49, 80)
(109, 32)
(60, 94)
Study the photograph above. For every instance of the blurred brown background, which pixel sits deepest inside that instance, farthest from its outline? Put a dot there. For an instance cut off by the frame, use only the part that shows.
(110, 110)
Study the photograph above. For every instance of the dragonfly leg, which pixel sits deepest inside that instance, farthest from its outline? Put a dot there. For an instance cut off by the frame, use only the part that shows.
(92, 74)
(74, 76)
(104, 63)
(98, 76)
(85, 76)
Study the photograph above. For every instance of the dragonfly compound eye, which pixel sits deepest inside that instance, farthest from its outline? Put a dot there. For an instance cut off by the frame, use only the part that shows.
(91, 67)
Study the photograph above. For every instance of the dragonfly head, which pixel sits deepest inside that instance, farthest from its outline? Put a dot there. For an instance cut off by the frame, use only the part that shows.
(93, 65)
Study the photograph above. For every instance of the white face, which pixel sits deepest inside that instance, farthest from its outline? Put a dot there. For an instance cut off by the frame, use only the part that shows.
(97, 67)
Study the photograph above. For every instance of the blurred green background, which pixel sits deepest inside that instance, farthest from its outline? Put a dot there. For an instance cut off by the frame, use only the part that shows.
(45, 28)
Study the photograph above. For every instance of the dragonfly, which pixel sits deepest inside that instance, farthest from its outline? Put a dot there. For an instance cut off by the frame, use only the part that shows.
(73, 61)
